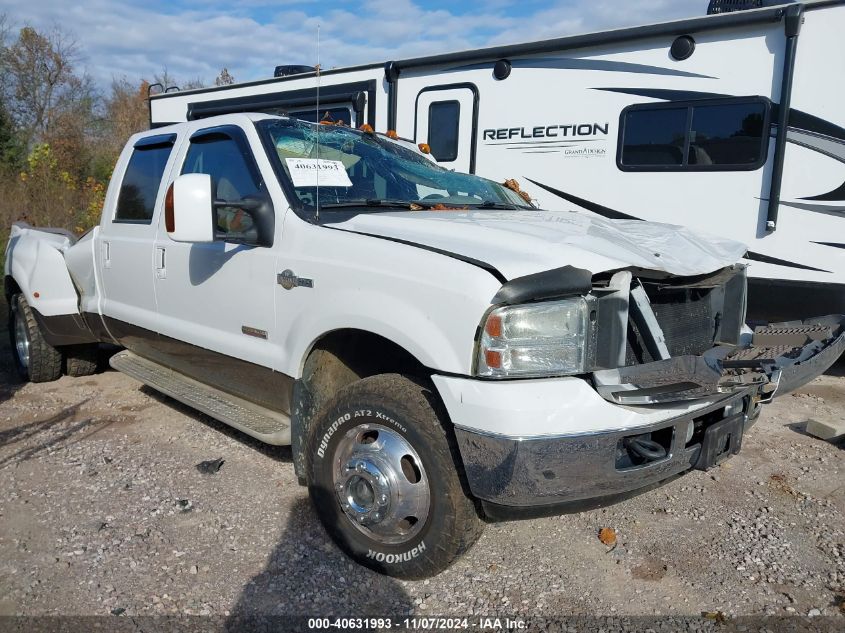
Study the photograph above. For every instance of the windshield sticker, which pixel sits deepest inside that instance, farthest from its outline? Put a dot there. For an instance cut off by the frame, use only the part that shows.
(313, 172)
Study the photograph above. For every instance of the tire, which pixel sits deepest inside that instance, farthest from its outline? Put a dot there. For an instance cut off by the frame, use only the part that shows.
(354, 446)
(35, 359)
(81, 360)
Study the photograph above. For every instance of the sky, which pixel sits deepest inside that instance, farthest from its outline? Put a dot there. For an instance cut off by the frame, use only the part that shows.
(196, 38)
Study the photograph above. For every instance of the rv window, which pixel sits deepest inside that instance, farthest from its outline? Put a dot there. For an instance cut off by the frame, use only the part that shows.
(724, 134)
(139, 188)
(443, 120)
(655, 137)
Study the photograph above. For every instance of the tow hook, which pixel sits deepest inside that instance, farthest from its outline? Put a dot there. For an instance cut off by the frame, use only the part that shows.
(642, 450)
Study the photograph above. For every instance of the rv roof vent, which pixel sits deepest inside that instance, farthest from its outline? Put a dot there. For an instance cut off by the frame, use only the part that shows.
(292, 69)
(727, 6)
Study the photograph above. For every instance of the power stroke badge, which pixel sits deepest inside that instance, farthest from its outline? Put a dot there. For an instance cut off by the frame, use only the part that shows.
(288, 280)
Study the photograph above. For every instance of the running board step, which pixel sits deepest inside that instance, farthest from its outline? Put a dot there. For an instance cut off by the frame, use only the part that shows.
(261, 423)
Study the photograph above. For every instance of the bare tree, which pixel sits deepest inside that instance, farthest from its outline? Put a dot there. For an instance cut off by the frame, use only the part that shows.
(169, 82)
(164, 79)
(193, 84)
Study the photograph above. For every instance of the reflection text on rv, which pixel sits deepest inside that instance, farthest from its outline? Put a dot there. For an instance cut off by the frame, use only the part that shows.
(544, 131)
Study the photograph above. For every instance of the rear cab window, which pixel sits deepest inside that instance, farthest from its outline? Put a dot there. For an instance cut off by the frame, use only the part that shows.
(142, 179)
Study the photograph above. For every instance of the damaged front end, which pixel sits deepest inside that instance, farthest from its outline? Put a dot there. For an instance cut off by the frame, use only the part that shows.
(669, 340)
(647, 376)
(631, 378)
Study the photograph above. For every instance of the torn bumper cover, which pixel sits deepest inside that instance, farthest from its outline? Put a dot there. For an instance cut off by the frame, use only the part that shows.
(775, 360)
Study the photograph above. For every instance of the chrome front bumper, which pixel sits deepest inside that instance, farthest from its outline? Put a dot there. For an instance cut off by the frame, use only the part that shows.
(549, 471)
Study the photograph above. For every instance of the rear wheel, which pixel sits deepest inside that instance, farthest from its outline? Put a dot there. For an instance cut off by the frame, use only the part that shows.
(81, 360)
(35, 359)
(383, 477)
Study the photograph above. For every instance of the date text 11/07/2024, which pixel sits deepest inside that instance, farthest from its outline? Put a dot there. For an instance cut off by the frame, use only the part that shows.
(417, 624)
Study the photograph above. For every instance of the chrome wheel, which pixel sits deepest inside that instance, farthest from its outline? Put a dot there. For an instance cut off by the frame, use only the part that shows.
(22, 343)
(381, 484)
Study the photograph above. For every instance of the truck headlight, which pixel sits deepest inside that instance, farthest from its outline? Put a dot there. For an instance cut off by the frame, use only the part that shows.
(538, 339)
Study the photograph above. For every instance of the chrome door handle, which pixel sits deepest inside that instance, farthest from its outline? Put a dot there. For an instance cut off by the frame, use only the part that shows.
(160, 263)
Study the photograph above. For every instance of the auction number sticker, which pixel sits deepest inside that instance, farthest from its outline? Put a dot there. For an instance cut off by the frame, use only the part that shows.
(317, 172)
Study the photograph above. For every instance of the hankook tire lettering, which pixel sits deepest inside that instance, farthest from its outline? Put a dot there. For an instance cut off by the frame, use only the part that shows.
(403, 557)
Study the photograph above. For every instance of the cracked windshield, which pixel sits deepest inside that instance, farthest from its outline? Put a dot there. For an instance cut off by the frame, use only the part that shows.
(363, 169)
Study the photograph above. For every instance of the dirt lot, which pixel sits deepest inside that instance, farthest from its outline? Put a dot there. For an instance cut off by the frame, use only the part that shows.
(104, 511)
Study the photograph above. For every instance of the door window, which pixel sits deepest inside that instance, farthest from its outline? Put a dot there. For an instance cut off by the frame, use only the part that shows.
(444, 119)
(141, 182)
(234, 176)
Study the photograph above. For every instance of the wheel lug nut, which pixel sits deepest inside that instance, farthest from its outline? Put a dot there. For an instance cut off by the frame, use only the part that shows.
(360, 467)
(360, 519)
(384, 499)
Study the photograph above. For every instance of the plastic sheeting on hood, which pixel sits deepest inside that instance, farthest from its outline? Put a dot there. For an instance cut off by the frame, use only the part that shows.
(520, 243)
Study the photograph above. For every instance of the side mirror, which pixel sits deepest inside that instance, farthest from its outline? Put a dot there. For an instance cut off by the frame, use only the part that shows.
(189, 209)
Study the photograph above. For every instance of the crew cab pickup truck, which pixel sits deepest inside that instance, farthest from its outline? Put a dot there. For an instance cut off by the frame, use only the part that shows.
(435, 349)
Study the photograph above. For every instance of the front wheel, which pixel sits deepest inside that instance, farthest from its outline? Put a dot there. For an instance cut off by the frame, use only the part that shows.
(383, 477)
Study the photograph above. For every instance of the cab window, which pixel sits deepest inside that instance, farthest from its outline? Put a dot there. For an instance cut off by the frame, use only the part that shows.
(234, 176)
(141, 182)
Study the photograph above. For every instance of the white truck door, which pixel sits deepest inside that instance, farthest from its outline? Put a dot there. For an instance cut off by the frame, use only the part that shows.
(216, 299)
(128, 229)
(446, 119)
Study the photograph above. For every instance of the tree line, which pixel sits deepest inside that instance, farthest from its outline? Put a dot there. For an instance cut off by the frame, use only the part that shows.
(60, 134)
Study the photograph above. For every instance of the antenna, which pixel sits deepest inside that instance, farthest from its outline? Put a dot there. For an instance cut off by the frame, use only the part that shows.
(319, 125)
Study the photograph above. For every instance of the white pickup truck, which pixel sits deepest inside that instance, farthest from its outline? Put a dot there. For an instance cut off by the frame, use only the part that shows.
(435, 349)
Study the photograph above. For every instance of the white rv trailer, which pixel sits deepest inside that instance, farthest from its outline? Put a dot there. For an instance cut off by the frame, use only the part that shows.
(732, 123)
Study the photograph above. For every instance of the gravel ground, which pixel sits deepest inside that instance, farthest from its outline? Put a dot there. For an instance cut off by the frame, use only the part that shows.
(104, 511)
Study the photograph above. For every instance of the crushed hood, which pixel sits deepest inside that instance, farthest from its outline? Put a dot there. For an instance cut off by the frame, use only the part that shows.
(520, 243)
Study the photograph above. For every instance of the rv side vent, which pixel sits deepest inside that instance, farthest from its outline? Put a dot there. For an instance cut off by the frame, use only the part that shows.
(727, 6)
(292, 69)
